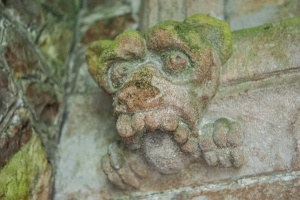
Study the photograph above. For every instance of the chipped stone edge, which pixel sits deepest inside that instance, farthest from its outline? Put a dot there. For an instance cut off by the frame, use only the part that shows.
(214, 187)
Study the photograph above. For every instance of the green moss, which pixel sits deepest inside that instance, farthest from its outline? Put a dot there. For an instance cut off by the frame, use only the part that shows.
(199, 33)
(270, 38)
(20, 175)
(130, 35)
(291, 24)
(217, 32)
(54, 44)
(96, 49)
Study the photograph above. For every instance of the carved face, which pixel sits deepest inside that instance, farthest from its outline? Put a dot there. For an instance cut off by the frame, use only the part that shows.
(161, 84)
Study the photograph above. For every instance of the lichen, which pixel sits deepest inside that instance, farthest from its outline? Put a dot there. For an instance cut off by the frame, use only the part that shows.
(20, 176)
(270, 40)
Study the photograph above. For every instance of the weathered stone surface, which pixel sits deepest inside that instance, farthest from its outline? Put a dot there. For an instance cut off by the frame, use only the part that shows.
(153, 12)
(243, 84)
(20, 56)
(24, 169)
(214, 8)
(15, 135)
(7, 93)
(30, 94)
(79, 171)
(263, 56)
(280, 186)
(108, 28)
(51, 26)
(248, 13)
(28, 12)
(43, 100)
(166, 88)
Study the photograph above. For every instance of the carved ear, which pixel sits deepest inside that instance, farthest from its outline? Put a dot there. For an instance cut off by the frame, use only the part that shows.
(102, 54)
(96, 68)
(217, 33)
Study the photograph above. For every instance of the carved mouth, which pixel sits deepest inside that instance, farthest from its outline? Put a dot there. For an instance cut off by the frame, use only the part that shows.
(162, 152)
(166, 120)
(163, 136)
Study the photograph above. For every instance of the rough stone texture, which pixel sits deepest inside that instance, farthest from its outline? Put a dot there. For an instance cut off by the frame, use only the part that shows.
(240, 15)
(214, 8)
(42, 55)
(167, 79)
(281, 186)
(249, 13)
(31, 76)
(266, 57)
(79, 171)
(108, 28)
(35, 41)
(84, 85)
(237, 100)
(24, 169)
(155, 11)
(16, 134)
(244, 82)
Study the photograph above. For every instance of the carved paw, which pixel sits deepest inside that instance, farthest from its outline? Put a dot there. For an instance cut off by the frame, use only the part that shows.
(123, 168)
(221, 143)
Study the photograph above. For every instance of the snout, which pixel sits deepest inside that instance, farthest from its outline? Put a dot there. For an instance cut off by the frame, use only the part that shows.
(138, 93)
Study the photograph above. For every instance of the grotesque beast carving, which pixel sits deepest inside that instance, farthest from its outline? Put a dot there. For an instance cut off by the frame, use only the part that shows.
(161, 84)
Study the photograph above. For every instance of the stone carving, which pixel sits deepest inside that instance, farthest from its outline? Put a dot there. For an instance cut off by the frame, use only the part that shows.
(161, 84)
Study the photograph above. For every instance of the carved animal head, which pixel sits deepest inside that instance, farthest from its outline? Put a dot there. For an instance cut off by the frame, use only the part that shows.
(161, 83)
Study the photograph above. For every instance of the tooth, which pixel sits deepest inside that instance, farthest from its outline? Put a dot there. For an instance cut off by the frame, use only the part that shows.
(206, 141)
(138, 122)
(181, 134)
(151, 122)
(120, 108)
(189, 147)
(169, 121)
(219, 134)
(234, 136)
(124, 126)
(224, 157)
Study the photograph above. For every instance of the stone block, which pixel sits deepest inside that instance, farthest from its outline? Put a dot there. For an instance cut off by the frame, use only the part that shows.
(249, 13)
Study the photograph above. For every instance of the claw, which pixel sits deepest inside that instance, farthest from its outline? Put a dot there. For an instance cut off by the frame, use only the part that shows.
(111, 173)
(206, 142)
(211, 158)
(224, 157)
(116, 156)
(221, 143)
(138, 166)
(234, 137)
(181, 134)
(129, 177)
(123, 167)
(124, 126)
(220, 132)
(237, 155)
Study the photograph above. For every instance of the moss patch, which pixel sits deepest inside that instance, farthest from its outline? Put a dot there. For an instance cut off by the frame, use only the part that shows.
(20, 176)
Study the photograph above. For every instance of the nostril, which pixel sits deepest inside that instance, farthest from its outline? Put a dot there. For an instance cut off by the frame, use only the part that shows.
(139, 95)
(139, 84)
(120, 107)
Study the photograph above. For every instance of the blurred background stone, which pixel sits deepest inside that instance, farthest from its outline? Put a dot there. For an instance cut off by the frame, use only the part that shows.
(69, 122)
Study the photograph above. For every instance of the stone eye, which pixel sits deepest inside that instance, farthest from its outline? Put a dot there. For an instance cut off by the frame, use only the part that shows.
(175, 61)
(118, 73)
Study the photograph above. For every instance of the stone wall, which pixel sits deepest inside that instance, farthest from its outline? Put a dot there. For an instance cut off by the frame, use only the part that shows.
(239, 14)
(54, 115)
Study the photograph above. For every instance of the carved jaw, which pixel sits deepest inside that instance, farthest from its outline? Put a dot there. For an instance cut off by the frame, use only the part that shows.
(163, 136)
(161, 83)
(166, 120)
(153, 106)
